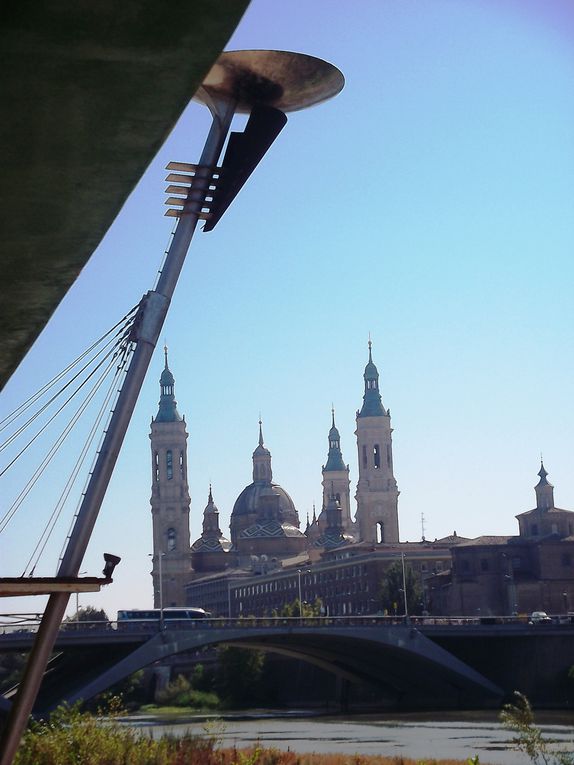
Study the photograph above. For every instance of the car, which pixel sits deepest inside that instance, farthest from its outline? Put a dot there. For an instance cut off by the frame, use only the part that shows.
(539, 617)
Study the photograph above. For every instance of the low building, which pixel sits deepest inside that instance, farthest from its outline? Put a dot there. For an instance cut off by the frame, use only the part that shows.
(503, 575)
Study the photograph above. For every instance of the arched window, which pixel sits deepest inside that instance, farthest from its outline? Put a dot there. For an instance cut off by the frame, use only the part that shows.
(338, 497)
(171, 540)
(380, 532)
(156, 466)
(388, 455)
(169, 464)
(376, 456)
(181, 465)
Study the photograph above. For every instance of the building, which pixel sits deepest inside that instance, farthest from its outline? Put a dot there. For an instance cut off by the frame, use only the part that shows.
(269, 561)
(503, 575)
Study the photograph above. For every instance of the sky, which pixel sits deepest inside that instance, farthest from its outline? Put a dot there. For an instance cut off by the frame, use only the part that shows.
(430, 205)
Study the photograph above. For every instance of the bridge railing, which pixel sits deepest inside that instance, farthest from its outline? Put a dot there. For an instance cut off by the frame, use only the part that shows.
(25, 627)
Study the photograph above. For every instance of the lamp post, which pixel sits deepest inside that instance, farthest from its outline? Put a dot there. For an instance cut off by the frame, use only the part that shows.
(160, 566)
(239, 81)
(300, 597)
(78, 599)
(160, 584)
(404, 586)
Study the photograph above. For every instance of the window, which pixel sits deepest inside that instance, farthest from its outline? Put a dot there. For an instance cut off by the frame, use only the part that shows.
(364, 456)
(156, 465)
(181, 464)
(377, 456)
(515, 563)
(169, 464)
(388, 455)
(555, 528)
(380, 532)
(171, 540)
(484, 564)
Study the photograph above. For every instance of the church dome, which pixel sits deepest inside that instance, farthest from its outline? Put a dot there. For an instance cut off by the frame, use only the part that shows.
(249, 500)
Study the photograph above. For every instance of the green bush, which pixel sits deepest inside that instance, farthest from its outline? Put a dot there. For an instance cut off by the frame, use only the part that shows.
(71, 736)
(180, 693)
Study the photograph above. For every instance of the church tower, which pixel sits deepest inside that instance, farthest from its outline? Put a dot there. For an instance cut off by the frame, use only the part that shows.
(336, 477)
(169, 499)
(377, 493)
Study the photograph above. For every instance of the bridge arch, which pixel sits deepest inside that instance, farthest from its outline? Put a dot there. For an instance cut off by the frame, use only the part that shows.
(396, 657)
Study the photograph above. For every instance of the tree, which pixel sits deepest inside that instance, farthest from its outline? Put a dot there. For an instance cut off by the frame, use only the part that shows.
(304, 610)
(85, 614)
(392, 598)
(239, 674)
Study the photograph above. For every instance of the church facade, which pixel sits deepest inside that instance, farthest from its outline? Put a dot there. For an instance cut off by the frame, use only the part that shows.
(265, 529)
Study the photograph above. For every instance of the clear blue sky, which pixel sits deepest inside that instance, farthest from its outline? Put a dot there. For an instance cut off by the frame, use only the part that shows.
(430, 204)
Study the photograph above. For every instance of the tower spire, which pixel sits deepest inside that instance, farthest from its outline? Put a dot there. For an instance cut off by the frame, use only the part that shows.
(167, 411)
(372, 404)
(262, 472)
(335, 456)
(544, 490)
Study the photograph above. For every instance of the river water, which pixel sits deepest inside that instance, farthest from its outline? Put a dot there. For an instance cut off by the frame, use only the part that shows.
(418, 736)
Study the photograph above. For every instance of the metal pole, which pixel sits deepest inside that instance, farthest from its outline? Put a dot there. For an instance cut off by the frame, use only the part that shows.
(405, 586)
(300, 600)
(153, 311)
(160, 556)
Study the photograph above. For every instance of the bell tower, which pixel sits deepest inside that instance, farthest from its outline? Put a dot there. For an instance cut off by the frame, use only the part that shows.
(336, 477)
(377, 492)
(170, 501)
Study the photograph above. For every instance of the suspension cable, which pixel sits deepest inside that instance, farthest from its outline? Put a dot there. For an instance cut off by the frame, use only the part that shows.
(57, 412)
(124, 331)
(56, 513)
(126, 356)
(53, 450)
(128, 319)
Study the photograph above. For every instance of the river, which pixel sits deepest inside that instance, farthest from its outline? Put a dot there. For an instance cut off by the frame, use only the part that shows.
(418, 736)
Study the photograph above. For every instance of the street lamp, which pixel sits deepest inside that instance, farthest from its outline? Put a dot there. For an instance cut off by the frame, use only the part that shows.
(404, 586)
(81, 573)
(160, 585)
(299, 572)
(263, 84)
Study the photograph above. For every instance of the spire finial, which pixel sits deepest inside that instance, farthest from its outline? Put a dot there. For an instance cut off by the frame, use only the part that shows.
(165, 352)
(260, 431)
(370, 345)
(333, 413)
(314, 514)
(210, 497)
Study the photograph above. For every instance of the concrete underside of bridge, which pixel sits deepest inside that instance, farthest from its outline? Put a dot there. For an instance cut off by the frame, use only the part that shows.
(406, 666)
(90, 92)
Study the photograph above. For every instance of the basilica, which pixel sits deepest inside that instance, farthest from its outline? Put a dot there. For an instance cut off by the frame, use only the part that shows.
(265, 530)
(339, 561)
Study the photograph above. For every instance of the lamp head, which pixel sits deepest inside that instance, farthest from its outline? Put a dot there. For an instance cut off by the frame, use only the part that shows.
(111, 561)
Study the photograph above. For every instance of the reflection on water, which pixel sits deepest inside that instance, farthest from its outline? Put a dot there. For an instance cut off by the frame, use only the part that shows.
(455, 735)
